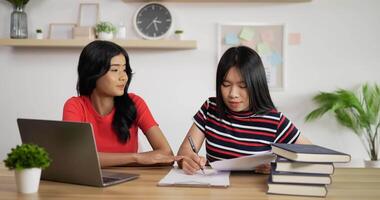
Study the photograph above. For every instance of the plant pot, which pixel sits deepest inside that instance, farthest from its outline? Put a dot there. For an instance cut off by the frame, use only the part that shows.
(39, 36)
(372, 163)
(178, 36)
(105, 36)
(28, 180)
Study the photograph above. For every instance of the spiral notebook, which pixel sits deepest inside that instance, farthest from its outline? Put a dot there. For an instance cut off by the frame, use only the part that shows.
(211, 178)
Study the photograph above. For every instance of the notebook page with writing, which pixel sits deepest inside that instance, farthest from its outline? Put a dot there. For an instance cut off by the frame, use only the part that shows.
(211, 178)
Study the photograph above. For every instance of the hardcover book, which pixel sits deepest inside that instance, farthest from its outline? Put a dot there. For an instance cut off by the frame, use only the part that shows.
(309, 153)
(303, 178)
(285, 165)
(297, 189)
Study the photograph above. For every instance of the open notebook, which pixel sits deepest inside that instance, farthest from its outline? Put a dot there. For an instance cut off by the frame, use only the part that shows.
(211, 178)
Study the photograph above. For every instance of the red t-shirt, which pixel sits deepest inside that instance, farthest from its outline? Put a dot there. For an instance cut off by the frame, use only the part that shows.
(80, 109)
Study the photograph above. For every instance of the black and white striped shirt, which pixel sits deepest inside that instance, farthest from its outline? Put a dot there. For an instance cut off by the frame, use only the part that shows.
(241, 134)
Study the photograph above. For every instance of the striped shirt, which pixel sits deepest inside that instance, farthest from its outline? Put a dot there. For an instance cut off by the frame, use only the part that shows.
(241, 134)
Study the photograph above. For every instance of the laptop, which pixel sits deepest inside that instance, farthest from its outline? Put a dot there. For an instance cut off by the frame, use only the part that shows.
(72, 148)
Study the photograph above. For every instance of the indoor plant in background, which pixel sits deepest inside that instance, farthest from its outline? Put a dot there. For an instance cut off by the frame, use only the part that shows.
(19, 21)
(178, 34)
(359, 112)
(105, 30)
(27, 160)
(39, 34)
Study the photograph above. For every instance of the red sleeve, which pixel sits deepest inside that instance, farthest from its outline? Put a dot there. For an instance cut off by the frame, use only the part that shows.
(73, 110)
(144, 118)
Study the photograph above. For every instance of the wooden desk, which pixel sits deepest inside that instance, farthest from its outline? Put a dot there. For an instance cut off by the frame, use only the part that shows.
(347, 184)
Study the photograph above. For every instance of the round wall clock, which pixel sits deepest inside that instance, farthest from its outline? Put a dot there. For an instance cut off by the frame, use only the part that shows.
(153, 21)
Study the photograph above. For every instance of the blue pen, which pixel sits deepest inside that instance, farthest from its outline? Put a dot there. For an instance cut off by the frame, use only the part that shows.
(195, 150)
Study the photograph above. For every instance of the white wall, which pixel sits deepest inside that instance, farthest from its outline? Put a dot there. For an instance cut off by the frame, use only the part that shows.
(339, 48)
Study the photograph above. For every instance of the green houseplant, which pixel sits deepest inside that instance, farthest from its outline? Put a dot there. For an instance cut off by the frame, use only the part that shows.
(18, 3)
(105, 30)
(27, 160)
(358, 111)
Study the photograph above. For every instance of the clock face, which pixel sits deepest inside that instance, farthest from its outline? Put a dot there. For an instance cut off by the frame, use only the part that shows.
(153, 21)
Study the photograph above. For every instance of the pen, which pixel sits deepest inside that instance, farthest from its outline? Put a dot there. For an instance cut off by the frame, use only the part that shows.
(195, 150)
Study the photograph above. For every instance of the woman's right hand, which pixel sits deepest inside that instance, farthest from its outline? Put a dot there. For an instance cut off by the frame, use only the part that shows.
(192, 163)
(156, 157)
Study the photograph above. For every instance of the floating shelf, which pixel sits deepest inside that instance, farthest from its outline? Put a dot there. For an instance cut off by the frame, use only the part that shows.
(128, 44)
(222, 1)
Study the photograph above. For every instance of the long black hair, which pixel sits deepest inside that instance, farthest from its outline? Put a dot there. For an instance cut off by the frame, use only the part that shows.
(94, 62)
(251, 69)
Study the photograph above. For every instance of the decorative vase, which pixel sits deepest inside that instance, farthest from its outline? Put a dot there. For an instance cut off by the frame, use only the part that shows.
(372, 163)
(19, 23)
(105, 36)
(28, 180)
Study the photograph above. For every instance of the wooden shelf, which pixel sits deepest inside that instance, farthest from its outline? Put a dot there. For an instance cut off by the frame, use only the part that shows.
(221, 1)
(128, 44)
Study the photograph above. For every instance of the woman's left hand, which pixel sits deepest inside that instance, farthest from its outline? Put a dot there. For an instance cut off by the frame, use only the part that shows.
(263, 169)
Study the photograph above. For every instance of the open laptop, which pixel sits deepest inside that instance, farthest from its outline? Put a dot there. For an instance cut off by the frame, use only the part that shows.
(71, 146)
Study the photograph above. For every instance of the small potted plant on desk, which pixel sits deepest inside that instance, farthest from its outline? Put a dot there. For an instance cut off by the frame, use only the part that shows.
(358, 112)
(27, 160)
(105, 30)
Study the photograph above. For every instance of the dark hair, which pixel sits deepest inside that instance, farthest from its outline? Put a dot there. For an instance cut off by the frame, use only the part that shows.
(94, 62)
(251, 68)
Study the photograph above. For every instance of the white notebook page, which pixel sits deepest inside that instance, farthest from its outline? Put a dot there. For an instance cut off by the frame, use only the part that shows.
(211, 178)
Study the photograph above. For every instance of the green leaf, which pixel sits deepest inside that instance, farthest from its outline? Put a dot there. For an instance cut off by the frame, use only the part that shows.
(27, 156)
(358, 112)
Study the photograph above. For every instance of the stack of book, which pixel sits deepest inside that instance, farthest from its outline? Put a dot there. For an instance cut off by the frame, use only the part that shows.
(303, 169)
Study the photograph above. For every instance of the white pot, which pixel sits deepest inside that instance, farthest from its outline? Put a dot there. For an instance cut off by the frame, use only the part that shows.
(105, 36)
(372, 163)
(178, 36)
(28, 180)
(39, 36)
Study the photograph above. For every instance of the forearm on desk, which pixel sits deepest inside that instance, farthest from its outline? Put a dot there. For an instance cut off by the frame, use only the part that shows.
(151, 158)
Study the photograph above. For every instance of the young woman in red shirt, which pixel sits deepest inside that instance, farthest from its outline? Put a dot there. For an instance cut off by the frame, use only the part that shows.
(104, 76)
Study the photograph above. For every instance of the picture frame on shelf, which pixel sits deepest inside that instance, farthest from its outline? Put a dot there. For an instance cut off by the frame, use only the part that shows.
(267, 39)
(61, 31)
(88, 14)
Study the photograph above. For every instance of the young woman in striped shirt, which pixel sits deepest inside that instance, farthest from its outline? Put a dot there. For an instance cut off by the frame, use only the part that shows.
(242, 119)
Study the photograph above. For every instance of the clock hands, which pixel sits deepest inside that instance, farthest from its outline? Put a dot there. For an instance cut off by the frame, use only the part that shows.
(154, 22)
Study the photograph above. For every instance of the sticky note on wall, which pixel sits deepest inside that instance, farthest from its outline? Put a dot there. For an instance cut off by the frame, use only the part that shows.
(231, 39)
(294, 38)
(251, 44)
(267, 36)
(263, 49)
(275, 58)
(247, 33)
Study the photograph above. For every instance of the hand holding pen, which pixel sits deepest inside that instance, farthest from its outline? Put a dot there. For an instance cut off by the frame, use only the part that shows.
(195, 151)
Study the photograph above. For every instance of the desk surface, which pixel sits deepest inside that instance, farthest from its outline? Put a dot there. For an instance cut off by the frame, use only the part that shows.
(359, 183)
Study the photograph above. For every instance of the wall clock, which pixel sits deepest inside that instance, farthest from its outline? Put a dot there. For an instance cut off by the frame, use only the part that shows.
(153, 21)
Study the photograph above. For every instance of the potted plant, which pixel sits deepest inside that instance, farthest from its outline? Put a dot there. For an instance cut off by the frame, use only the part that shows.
(27, 160)
(39, 34)
(178, 34)
(105, 30)
(359, 112)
